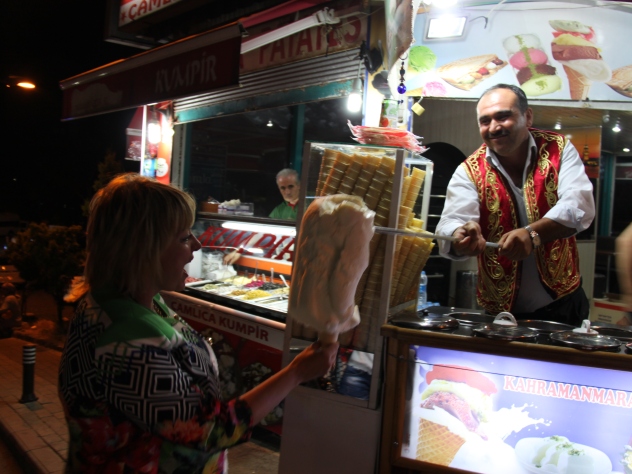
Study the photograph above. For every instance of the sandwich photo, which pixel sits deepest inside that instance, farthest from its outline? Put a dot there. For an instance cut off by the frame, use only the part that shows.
(467, 73)
(621, 81)
(454, 404)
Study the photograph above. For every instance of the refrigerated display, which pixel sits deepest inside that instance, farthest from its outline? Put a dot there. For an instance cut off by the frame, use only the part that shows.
(455, 402)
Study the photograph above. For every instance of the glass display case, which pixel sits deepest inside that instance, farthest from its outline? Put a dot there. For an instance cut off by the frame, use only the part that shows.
(242, 305)
(394, 183)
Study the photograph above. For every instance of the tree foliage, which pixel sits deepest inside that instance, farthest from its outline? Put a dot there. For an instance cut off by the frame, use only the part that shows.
(49, 257)
(108, 169)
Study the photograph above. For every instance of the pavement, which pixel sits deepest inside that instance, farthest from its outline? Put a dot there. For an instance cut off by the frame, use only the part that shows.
(36, 432)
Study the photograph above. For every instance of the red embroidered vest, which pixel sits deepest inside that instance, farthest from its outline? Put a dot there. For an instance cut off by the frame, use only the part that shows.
(557, 261)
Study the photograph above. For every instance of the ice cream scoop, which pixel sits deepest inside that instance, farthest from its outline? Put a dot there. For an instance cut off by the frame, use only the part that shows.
(528, 56)
(531, 64)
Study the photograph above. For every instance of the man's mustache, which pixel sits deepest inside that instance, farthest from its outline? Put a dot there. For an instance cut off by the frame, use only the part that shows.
(498, 134)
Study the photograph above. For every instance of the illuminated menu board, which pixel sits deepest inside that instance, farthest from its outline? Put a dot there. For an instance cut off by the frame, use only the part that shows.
(496, 414)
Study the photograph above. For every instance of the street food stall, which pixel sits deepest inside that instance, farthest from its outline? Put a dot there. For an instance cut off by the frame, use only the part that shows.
(286, 87)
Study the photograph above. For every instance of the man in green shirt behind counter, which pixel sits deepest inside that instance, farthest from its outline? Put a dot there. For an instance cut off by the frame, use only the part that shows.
(289, 186)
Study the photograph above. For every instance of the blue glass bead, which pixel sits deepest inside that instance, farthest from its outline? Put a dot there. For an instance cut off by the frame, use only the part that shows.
(401, 89)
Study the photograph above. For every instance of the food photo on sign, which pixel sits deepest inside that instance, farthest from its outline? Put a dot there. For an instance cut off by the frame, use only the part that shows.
(552, 50)
(493, 414)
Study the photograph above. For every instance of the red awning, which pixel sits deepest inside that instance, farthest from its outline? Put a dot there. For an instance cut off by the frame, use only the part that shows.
(193, 65)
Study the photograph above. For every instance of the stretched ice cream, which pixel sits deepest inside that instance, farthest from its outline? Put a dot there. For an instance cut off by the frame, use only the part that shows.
(572, 46)
(458, 400)
(531, 64)
(331, 254)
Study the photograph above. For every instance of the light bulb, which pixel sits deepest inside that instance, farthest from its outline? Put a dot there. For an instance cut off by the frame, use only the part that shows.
(154, 133)
(616, 128)
(354, 101)
(626, 150)
(558, 126)
(269, 124)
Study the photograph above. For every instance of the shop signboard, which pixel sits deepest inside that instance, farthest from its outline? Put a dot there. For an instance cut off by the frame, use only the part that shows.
(312, 42)
(197, 64)
(552, 50)
(496, 414)
(134, 10)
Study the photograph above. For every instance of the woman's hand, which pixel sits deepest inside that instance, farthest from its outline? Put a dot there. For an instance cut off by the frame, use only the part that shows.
(315, 361)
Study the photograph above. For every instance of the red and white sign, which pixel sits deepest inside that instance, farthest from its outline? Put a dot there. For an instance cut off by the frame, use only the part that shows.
(132, 10)
(244, 325)
(316, 41)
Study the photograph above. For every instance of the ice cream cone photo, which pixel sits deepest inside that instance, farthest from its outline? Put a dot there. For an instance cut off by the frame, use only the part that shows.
(574, 46)
(578, 84)
(453, 406)
(436, 443)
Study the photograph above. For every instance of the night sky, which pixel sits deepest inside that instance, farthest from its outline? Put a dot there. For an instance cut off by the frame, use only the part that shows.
(49, 166)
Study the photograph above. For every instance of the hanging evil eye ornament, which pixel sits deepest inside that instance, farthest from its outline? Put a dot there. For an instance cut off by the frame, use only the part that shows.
(401, 88)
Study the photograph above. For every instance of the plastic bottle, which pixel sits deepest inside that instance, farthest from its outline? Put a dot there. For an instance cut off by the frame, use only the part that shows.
(422, 299)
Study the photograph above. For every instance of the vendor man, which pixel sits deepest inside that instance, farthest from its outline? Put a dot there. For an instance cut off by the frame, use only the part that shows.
(289, 186)
(527, 190)
(288, 182)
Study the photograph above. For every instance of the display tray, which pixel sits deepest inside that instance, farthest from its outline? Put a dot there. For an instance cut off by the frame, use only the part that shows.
(273, 306)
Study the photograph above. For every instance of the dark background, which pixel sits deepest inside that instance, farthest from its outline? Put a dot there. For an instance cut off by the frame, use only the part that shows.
(48, 166)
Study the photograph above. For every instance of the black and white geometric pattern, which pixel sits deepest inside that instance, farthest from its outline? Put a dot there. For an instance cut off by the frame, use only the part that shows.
(148, 383)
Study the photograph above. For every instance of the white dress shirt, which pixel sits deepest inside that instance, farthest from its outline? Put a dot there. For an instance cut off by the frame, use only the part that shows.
(575, 209)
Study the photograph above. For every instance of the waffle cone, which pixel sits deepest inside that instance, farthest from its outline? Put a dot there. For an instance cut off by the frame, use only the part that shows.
(436, 443)
(578, 84)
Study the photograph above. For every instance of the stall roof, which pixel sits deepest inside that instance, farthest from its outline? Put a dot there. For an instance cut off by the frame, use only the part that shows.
(199, 63)
(172, 71)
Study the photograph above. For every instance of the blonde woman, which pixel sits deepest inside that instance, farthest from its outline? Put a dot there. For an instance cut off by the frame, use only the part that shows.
(140, 387)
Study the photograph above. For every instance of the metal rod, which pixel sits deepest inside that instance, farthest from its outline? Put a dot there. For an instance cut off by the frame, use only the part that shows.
(388, 230)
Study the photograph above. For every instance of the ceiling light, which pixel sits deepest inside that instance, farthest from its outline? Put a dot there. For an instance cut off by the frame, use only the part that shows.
(616, 128)
(558, 126)
(269, 124)
(354, 101)
(626, 150)
(606, 117)
(154, 130)
(324, 16)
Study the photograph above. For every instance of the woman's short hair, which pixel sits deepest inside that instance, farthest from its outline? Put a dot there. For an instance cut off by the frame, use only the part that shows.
(132, 221)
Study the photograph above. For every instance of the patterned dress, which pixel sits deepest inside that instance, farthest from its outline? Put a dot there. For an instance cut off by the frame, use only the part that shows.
(141, 392)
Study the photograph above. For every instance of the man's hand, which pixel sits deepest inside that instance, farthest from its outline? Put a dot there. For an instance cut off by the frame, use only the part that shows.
(231, 258)
(516, 245)
(469, 240)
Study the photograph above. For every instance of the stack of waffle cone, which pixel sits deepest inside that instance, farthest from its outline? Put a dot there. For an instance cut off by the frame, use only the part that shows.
(437, 444)
(578, 84)
(370, 177)
(336, 174)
